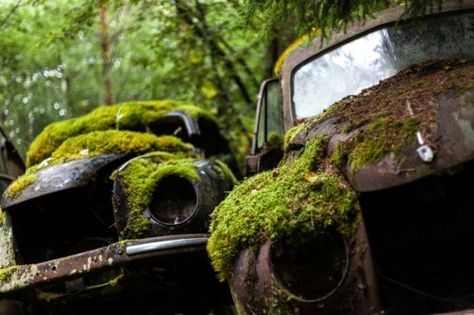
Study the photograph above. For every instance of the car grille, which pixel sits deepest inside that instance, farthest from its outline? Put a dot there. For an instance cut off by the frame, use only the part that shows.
(63, 224)
(422, 236)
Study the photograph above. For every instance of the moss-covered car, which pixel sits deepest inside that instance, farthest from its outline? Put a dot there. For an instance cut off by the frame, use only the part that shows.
(365, 206)
(112, 214)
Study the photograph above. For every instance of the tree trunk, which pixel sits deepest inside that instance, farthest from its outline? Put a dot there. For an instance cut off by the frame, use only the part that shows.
(106, 50)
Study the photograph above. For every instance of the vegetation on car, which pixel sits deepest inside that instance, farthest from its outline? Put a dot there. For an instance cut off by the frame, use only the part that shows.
(299, 199)
(377, 122)
(21, 183)
(140, 177)
(98, 143)
(134, 116)
(380, 138)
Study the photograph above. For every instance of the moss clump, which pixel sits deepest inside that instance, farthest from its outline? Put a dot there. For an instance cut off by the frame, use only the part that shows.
(293, 202)
(7, 273)
(21, 183)
(379, 139)
(118, 142)
(290, 134)
(275, 141)
(339, 156)
(139, 179)
(134, 116)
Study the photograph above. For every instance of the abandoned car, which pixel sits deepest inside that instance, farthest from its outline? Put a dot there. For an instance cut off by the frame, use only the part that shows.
(112, 214)
(368, 209)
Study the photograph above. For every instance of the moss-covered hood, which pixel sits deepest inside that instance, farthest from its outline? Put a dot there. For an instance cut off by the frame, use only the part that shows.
(133, 116)
(67, 153)
(372, 137)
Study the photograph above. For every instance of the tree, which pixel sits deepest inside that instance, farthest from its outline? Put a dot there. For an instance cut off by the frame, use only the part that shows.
(62, 58)
(326, 15)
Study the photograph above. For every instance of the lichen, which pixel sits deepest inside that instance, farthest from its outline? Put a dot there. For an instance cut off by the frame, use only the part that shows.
(297, 200)
(139, 179)
(133, 116)
(18, 185)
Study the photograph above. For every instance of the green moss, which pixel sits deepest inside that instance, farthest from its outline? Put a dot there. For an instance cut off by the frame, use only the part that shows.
(291, 134)
(339, 156)
(21, 183)
(134, 116)
(226, 172)
(119, 142)
(7, 273)
(379, 139)
(295, 201)
(275, 141)
(139, 179)
(102, 142)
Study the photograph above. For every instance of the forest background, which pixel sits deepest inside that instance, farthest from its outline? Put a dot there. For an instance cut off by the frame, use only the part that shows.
(62, 58)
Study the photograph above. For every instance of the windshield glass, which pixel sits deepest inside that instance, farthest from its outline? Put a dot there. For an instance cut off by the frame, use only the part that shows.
(365, 61)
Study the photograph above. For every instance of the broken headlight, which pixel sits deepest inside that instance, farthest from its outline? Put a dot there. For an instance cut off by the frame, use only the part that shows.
(312, 270)
(175, 200)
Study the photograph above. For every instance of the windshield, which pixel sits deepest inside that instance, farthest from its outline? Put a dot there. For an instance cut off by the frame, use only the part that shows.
(363, 62)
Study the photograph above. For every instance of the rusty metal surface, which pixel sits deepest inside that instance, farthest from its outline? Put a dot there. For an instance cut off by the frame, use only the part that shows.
(28, 276)
(305, 52)
(60, 177)
(256, 291)
(455, 141)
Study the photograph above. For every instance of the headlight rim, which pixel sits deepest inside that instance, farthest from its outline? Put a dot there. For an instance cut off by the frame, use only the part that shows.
(188, 219)
(283, 289)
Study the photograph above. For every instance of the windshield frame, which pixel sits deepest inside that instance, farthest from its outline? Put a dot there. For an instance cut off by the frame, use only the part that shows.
(307, 52)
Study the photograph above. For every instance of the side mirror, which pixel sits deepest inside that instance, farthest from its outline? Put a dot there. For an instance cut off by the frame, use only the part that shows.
(266, 150)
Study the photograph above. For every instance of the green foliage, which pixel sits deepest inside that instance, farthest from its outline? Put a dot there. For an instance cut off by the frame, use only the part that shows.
(139, 179)
(51, 60)
(294, 202)
(327, 15)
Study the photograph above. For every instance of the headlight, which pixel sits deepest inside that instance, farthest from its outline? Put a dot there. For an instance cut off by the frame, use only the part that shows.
(313, 270)
(158, 194)
(175, 201)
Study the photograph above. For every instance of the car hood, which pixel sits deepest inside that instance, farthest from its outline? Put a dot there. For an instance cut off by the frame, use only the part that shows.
(374, 136)
(55, 178)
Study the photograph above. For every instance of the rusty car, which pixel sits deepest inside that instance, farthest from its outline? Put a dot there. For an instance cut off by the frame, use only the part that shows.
(367, 206)
(111, 215)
